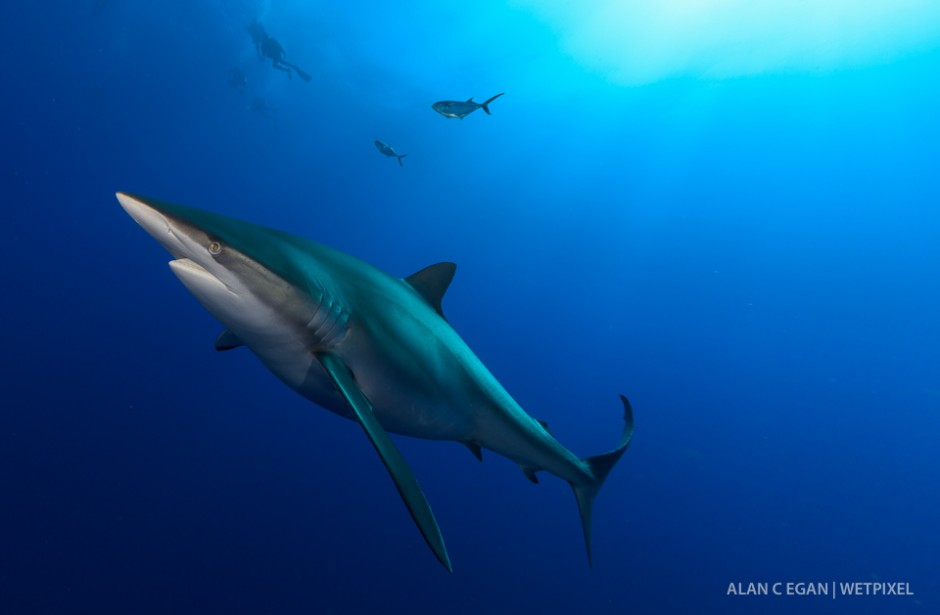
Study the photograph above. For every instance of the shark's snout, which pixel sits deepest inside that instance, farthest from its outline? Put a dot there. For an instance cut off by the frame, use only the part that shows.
(145, 215)
(155, 222)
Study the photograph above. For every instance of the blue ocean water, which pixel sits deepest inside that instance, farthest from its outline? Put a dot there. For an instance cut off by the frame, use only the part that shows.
(752, 258)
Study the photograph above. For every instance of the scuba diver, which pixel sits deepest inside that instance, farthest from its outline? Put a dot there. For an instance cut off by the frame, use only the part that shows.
(272, 50)
(268, 48)
(263, 109)
(238, 80)
(258, 35)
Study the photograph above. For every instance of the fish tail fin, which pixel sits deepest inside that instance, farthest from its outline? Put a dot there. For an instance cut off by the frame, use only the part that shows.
(485, 105)
(599, 467)
(399, 159)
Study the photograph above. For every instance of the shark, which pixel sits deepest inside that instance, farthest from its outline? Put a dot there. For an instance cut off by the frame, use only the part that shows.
(461, 109)
(387, 149)
(364, 344)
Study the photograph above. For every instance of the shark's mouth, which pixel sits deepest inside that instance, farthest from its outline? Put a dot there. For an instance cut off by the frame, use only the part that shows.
(197, 279)
(186, 263)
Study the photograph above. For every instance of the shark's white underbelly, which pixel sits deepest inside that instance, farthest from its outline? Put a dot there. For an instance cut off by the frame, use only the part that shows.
(427, 388)
(411, 411)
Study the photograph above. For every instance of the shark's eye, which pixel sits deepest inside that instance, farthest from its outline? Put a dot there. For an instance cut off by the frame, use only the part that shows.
(215, 248)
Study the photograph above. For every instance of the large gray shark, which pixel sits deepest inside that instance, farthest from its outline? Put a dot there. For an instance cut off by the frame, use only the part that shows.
(366, 345)
(461, 109)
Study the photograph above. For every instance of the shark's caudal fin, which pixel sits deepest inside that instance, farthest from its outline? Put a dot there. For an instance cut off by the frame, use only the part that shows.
(485, 104)
(600, 466)
(399, 159)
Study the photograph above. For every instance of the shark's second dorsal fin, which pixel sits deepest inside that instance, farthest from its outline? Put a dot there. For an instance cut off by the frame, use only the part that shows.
(432, 282)
(227, 340)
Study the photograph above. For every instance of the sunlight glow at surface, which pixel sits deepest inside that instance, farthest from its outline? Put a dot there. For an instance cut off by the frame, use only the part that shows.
(635, 42)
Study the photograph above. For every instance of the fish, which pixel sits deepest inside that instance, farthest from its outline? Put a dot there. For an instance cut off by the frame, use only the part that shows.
(458, 109)
(388, 151)
(364, 344)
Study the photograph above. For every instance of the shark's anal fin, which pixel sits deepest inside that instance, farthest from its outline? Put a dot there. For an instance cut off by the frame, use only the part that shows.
(227, 340)
(404, 479)
(432, 282)
(529, 472)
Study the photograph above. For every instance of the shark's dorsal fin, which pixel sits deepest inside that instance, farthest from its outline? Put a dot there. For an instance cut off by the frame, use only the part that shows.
(475, 449)
(544, 425)
(227, 340)
(432, 282)
(470, 100)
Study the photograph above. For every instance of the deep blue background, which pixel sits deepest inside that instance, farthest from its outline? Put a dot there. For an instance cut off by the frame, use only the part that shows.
(753, 261)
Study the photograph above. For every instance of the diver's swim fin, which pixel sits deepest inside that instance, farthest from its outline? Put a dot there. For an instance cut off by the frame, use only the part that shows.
(300, 73)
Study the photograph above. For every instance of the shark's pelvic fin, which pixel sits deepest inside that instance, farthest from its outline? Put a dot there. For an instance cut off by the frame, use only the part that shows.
(600, 467)
(227, 340)
(404, 479)
(432, 282)
(475, 449)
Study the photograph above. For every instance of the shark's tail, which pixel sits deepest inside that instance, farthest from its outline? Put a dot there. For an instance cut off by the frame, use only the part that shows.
(600, 466)
(399, 159)
(485, 105)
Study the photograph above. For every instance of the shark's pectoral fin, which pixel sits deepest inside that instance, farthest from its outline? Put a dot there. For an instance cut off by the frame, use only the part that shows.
(432, 282)
(404, 479)
(227, 340)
